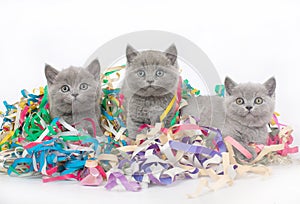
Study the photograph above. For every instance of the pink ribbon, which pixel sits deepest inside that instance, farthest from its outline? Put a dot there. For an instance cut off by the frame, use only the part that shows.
(238, 146)
(23, 115)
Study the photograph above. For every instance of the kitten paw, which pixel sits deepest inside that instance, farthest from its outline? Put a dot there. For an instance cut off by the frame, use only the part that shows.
(242, 158)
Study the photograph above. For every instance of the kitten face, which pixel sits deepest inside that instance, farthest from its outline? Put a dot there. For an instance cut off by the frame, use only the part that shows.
(250, 104)
(73, 88)
(152, 73)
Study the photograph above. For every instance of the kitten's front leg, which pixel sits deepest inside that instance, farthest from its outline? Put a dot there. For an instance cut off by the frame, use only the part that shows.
(87, 125)
(133, 127)
(91, 129)
(261, 136)
(154, 117)
(241, 156)
(82, 121)
(68, 119)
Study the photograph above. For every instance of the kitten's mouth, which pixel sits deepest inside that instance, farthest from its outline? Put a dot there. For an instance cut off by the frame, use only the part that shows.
(250, 114)
(154, 87)
(75, 100)
(150, 87)
(151, 91)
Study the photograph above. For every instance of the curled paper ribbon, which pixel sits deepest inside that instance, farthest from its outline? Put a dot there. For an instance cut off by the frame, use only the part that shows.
(220, 90)
(93, 174)
(129, 185)
(284, 137)
(239, 147)
(31, 143)
(159, 162)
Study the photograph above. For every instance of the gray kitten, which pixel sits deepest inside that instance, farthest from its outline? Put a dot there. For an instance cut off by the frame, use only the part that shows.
(248, 107)
(149, 85)
(74, 94)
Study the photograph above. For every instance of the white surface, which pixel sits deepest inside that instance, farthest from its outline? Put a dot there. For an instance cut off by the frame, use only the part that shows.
(247, 40)
(280, 188)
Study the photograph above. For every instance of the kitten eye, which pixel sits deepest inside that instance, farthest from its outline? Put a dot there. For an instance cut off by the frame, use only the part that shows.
(140, 73)
(65, 88)
(84, 86)
(258, 101)
(159, 73)
(239, 101)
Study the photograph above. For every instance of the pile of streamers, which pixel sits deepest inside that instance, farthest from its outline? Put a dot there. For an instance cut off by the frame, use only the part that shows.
(33, 144)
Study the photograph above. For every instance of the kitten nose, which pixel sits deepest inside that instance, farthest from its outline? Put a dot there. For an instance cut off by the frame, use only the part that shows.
(75, 94)
(249, 108)
(150, 81)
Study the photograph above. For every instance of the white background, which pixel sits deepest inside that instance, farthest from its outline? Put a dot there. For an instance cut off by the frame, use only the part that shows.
(246, 40)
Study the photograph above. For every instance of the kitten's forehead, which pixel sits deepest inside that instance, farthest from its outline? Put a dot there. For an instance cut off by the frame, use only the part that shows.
(150, 57)
(72, 75)
(250, 90)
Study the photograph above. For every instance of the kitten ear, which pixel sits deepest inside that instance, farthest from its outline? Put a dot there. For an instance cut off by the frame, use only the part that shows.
(131, 53)
(94, 69)
(270, 85)
(50, 73)
(171, 53)
(229, 85)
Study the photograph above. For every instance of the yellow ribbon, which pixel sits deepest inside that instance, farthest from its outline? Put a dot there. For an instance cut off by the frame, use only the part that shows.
(165, 113)
(7, 137)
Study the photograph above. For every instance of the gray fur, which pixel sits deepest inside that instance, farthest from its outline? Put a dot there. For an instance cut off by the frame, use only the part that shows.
(209, 109)
(149, 85)
(246, 126)
(77, 103)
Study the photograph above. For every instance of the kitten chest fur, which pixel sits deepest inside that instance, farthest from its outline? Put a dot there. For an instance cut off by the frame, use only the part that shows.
(148, 109)
(244, 133)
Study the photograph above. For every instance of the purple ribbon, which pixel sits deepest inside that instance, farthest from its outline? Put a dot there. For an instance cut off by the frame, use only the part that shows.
(193, 148)
(129, 185)
(218, 139)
